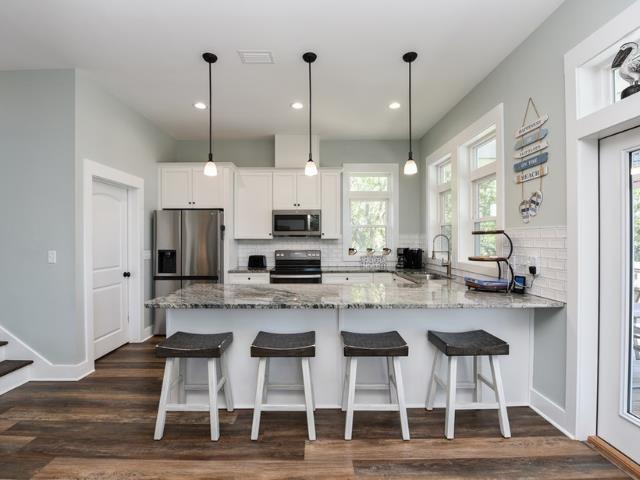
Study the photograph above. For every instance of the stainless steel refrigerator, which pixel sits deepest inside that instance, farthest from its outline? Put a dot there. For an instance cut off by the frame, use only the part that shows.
(187, 248)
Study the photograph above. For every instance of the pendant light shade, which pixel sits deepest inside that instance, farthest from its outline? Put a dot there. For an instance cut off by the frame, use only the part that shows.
(210, 169)
(310, 168)
(410, 166)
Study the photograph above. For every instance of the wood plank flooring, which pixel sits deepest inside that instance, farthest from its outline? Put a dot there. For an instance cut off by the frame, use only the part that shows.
(102, 428)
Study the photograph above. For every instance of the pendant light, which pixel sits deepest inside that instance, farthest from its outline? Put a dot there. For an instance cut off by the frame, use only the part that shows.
(310, 168)
(410, 166)
(210, 169)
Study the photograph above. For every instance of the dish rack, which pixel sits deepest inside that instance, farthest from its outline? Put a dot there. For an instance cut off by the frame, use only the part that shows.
(500, 285)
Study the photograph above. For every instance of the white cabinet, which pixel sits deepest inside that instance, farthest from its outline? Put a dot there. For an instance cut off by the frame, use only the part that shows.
(295, 191)
(248, 278)
(189, 187)
(253, 204)
(346, 278)
(331, 206)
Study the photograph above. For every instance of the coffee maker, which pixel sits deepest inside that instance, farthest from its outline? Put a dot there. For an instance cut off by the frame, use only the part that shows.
(412, 258)
(400, 258)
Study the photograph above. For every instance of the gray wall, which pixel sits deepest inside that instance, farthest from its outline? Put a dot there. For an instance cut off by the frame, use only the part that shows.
(536, 69)
(37, 152)
(333, 153)
(110, 133)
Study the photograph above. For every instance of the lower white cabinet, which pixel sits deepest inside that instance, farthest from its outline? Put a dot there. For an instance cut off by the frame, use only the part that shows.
(246, 278)
(346, 278)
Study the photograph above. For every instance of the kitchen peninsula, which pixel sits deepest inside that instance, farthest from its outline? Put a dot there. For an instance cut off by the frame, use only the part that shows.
(411, 308)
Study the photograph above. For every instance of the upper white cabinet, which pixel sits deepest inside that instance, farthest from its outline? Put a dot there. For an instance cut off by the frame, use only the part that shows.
(330, 194)
(253, 204)
(295, 191)
(189, 187)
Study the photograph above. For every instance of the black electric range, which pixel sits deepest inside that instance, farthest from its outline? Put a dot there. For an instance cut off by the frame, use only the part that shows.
(297, 266)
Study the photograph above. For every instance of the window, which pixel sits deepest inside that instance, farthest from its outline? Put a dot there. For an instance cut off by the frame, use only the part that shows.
(370, 194)
(445, 198)
(483, 192)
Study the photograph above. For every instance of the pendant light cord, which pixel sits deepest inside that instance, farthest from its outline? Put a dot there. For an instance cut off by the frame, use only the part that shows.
(210, 118)
(410, 129)
(310, 158)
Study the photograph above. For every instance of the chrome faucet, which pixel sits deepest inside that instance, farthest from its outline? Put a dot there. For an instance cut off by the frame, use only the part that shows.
(447, 251)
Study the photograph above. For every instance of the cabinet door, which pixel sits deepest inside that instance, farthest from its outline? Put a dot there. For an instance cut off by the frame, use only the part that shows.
(176, 187)
(308, 192)
(346, 278)
(253, 201)
(330, 205)
(248, 278)
(284, 191)
(208, 192)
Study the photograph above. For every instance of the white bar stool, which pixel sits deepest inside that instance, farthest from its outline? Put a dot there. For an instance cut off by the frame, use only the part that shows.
(476, 343)
(283, 345)
(385, 344)
(176, 349)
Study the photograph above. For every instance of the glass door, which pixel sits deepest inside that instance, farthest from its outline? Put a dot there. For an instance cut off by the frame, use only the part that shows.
(619, 352)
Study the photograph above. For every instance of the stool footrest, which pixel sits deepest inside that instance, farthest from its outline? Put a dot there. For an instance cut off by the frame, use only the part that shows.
(284, 407)
(187, 407)
(292, 387)
(373, 386)
(375, 407)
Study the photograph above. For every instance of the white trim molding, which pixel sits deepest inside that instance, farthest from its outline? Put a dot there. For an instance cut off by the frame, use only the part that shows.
(590, 115)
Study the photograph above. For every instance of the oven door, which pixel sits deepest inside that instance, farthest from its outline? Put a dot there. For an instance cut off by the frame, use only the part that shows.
(294, 223)
(293, 278)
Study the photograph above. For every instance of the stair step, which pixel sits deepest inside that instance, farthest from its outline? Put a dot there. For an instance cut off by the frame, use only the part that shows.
(8, 366)
(3, 343)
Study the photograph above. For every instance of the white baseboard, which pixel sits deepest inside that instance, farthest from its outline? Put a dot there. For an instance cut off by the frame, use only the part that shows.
(41, 369)
(550, 411)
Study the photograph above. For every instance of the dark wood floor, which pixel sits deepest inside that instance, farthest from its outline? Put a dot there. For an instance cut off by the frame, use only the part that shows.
(102, 427)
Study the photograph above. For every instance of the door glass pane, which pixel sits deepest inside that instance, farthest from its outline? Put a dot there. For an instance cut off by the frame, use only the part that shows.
(634, 348)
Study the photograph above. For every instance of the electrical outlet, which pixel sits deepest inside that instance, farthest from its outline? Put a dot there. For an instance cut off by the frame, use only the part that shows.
(533, 266)
(51, 256)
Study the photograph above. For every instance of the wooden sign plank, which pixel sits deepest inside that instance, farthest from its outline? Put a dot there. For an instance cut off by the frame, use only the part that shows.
(527, 176)
(531, 149)
(529, 138)
(537, 123)
(531, 162)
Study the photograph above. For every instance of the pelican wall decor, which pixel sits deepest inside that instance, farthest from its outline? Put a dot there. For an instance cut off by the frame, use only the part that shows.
(628, 61)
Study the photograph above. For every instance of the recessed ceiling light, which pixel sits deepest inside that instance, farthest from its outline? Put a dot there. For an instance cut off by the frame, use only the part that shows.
(200, 105)
(297, 105)
(394, 105)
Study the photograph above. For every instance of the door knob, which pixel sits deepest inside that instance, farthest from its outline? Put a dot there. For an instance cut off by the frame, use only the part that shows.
(126, 274)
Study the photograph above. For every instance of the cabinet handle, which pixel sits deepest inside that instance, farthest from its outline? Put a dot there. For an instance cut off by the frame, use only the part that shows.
(248, 278)
(347, 278)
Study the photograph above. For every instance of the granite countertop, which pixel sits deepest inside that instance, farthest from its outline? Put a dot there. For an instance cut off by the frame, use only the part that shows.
(331, 269)
(250, 270)
(428, 295)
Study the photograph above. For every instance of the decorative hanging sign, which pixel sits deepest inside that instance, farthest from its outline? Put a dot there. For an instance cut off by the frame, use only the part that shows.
(530, 138)
(531, 149)
(532, 174)
(531, 162)
(537, 123)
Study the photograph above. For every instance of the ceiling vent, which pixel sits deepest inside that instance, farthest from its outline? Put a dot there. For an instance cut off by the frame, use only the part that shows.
(255, 56)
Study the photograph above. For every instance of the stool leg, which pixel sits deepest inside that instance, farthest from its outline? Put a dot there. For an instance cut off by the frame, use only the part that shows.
(308, 398)
(228, 394)
(164, 395)
(265, 389)
(450, 419)
(257, 407)
(351, 395)
(313, 394)
(392, 382)
(433, 385)
(182, 369)
(502, 404)
(477, 393)
(213, 399)
(345, 384)
(397, 374)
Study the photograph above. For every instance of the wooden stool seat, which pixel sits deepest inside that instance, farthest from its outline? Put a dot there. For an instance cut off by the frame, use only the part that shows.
(176, 349)
(476, 344)
(268, 344)
(384, 344)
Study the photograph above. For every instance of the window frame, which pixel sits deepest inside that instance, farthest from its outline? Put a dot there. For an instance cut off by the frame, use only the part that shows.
(391, 196)
(442, 188)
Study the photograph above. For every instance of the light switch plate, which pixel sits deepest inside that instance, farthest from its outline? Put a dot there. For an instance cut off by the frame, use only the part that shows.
(51, 256)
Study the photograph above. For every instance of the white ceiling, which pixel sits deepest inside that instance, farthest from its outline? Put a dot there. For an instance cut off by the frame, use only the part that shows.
(147, 52)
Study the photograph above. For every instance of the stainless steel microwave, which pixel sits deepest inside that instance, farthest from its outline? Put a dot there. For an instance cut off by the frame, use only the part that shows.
(296, 223)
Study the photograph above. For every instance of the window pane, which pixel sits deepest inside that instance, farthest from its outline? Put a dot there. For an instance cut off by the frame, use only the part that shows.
(486, 197)
(484, 154)
(368, 212)
(367, 183)
(446, 230)
(485, 244)
(634, 353)
(369, 237)
(444, 173)
(446, 207)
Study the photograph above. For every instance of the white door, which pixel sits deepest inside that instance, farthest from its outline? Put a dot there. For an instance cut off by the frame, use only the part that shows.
(176, 187)
(110, 289)
(619, 352)
(208, 192)
(308, 191)
(284, 191)
(253, 202)
(330, 196)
